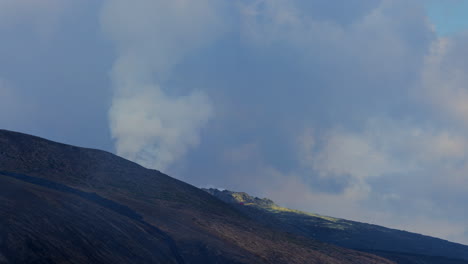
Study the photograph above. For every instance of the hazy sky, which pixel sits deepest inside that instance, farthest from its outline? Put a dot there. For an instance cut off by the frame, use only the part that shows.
(351, 108)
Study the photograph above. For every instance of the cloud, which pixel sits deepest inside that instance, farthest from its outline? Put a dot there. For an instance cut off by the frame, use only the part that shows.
(399, 170)
(293, 191)
(400, 174)
(43, 16)
(388, 146)
(395, 173)
(358, 115)
(154, 129)
(157, 40)
(151, 124)
(356, 109)
(353, 154)
(390, 32)
(321, 113)
(445, 79)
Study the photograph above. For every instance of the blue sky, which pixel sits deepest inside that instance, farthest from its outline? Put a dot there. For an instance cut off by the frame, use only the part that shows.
(448, 17)
(352, 108)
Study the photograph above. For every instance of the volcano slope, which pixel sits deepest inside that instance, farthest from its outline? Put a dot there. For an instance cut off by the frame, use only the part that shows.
(400, 246)
(65, 204)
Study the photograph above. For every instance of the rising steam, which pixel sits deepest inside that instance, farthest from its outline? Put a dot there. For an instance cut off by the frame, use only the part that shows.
(152, 36)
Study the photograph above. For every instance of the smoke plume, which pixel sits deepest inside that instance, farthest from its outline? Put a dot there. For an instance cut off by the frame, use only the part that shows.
(150, 125)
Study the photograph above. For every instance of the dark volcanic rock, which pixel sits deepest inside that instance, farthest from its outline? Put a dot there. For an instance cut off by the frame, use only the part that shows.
(40, 225)
(64, 204)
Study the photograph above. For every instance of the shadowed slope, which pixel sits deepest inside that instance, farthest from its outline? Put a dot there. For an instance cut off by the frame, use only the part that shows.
(40, 225)
(164, 210)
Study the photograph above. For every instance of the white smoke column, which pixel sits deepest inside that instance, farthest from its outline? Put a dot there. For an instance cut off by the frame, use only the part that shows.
(152, 36)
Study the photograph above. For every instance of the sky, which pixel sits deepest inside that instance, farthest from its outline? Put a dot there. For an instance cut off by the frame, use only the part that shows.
(352, 108)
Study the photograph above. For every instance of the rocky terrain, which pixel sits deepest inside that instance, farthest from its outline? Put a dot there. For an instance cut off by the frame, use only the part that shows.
(400, 246)
(65, 204)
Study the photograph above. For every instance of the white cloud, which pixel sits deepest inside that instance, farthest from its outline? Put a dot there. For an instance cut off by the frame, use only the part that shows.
(376, 59)
(154, 129)
(354, 155)
(386, 147)
(375, 45)
(150, 124)
(419, 161)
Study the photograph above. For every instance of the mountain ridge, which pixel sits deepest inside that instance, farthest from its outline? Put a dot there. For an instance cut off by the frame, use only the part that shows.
(78, 193)
(350, 234)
